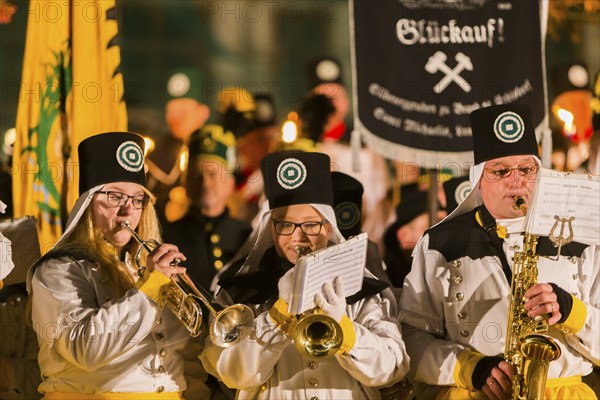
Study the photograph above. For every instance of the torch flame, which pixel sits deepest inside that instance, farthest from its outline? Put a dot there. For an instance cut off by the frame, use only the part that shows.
(567, 117)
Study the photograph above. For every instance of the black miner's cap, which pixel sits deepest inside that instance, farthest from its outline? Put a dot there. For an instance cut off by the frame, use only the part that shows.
(501, 131)
(456, 190)
(410, 208)
(111, 157)
(297, 177)
(347, 203)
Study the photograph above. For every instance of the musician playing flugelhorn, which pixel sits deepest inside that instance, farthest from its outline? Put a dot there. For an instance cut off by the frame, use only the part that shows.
(300, 220)
(456, 299)
(101, 328)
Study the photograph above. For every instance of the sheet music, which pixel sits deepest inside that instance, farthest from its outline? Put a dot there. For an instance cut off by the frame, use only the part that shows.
(569, 198)
(346, 260)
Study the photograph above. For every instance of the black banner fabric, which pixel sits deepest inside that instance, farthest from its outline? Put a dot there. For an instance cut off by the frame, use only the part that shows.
(420, 68)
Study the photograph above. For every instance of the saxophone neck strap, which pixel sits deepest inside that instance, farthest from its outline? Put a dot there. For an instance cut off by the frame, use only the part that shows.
(487, 222)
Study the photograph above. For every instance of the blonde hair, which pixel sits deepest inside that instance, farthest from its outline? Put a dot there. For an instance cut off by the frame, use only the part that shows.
(87, 239)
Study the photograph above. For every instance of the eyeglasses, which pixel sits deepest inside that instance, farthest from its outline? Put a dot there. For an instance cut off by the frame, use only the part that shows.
(498, 173)
(118, 199)
(309, 228)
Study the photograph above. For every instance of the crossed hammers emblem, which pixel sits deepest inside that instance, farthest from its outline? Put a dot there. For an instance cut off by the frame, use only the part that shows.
(437, 62)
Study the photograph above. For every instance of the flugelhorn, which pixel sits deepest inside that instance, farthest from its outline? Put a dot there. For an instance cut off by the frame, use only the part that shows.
(184, 298)
(316, 335)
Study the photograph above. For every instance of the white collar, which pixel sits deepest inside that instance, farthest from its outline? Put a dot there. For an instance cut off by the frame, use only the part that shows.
(512, 225)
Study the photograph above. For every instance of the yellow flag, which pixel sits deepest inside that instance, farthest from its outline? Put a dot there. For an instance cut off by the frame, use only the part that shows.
(71, 88)
(97, 102)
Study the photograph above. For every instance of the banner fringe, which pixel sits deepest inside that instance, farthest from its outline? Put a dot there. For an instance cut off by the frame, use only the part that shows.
(425, 159)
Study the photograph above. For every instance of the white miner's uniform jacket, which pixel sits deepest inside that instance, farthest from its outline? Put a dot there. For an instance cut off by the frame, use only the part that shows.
(456, 298)
(269, 367)
(92, 341)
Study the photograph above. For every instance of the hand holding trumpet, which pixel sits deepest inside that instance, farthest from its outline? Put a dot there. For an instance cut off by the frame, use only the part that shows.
(165, 259)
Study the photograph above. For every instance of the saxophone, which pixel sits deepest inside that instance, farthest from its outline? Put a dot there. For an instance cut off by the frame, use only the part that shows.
(527, 349)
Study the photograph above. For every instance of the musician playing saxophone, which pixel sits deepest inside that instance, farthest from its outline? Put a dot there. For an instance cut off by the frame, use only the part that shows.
(455, 301)
(269, 366)
(100, 326)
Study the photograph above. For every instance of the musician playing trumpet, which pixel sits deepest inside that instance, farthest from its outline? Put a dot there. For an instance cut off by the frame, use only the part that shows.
(455, 301)
(100, 326)
(301, 220)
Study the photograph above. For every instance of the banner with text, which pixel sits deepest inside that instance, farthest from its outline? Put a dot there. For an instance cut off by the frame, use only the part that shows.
(420, 68)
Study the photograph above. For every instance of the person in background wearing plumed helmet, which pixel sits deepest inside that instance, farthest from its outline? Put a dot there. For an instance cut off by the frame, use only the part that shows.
(102, 331)
(455, 301)
(301, 219)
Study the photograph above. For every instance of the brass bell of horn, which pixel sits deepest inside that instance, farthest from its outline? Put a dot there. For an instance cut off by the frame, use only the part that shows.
(184, 298)
(316, 335)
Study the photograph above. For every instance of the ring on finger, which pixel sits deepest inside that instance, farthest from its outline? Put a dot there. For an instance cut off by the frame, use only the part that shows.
(552, 308)
(491, 382)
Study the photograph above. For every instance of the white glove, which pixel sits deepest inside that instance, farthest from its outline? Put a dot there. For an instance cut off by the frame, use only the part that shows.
(285, 285)
(334, 304)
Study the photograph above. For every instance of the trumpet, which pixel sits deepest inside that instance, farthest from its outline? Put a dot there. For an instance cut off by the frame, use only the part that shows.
(184, 298)
(315, 334)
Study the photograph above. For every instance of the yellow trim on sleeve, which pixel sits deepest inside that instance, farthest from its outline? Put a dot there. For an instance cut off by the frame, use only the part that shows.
(152, 285)
(279, 312)
(561, 382)
(576, 319)
(463, 371)
(349, 334)
(285, 321)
